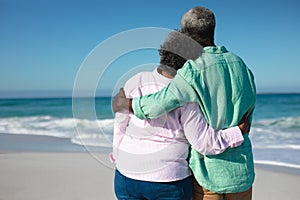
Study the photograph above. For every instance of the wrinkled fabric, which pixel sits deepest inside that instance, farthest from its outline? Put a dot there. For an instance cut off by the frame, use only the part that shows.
(223, 86)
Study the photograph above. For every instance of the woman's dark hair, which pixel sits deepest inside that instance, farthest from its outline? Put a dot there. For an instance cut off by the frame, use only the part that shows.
(171, 60)
(177, 49)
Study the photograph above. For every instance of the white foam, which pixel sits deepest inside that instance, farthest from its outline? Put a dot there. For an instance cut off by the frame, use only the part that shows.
(274, 163)
(92, 132)
(96, 140)
(294, 147)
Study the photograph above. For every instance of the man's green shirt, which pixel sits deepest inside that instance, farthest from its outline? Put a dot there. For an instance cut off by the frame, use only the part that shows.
(224, 88)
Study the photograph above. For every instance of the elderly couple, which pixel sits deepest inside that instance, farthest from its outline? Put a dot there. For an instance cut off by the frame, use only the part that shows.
(181, 131)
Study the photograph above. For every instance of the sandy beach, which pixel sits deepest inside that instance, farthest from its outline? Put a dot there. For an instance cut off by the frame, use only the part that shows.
(276, 183)
(71, 176)
(54, 176)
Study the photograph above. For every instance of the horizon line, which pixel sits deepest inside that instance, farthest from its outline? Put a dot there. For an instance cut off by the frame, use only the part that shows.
(53, 96)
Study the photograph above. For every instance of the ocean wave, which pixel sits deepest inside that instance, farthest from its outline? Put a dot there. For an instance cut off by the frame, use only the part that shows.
(272, 139)
(281, 122)
(80, 131)
(282, 146)
(274, 163)
(38, 125)
(277, 133)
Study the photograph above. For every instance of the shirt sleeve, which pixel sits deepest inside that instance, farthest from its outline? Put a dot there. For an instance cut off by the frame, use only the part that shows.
(204, 138)
(122, 119)
(176, 94)
(120, 124)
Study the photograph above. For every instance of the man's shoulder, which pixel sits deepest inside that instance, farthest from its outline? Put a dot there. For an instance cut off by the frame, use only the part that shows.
(232, 55)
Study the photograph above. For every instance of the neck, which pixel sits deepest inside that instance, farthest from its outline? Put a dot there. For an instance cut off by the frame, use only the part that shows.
(209, 44)
(164, 73)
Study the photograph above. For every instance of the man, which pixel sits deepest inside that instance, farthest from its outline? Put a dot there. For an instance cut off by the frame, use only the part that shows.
(224, 88)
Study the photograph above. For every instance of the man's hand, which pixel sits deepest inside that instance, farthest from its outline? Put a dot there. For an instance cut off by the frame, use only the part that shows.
(244, 124)
(121, 103)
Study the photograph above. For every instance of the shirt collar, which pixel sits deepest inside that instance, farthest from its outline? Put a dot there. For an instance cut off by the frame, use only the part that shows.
(216, 49)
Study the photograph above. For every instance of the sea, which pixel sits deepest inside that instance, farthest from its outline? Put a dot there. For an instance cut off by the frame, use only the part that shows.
(52, 124)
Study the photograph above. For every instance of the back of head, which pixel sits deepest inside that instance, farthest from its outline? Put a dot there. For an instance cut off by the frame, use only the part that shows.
(199, 23)
(177, 49)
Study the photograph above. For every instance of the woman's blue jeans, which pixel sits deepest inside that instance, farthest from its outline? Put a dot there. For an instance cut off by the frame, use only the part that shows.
(131, 189)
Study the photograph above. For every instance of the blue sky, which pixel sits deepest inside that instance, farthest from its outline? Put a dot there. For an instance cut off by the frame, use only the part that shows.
(44, 43)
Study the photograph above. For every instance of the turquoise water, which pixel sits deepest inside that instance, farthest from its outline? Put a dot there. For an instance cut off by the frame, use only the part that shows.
(275, 131)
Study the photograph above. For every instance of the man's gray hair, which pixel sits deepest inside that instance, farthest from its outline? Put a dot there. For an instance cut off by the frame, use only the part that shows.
(199, 18)
(199, 23)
